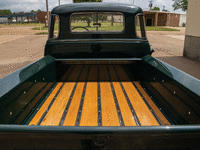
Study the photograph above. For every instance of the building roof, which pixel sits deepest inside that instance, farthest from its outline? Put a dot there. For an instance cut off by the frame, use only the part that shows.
(150, 11)
(96, 6)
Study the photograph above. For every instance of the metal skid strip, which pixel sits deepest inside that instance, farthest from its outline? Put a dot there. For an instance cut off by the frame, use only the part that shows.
(78, 118)
(128, 100)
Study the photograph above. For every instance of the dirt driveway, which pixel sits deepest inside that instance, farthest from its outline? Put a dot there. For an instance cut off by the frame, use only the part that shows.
(168, 46)
(20, 46)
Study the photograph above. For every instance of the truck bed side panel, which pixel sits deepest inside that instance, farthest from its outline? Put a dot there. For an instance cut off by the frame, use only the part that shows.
(25, 88)
(174, 90)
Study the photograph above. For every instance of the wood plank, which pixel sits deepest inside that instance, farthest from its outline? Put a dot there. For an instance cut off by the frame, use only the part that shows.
(20, 102)
(177, 104)
(54, 115)
(89, 115)
(152, 104)
(109, 112)
(33, 103)
(38, 115)
(70, 119)
(125, 110)
(17, 93)
(144, 114)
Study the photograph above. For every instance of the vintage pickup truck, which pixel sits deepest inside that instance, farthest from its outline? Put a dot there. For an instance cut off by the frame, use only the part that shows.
(98, 87)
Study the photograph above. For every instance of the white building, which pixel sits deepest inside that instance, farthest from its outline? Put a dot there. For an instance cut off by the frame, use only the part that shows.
(182, 21)
(192, 33)
(3, 20)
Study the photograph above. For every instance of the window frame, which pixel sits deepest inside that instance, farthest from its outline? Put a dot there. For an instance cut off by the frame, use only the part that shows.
(142, 26)
(52, 25)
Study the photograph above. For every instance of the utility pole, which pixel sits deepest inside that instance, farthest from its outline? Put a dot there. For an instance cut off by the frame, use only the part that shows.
(59, 2)
(163, 7)
(47, 23)
(150, 4)
(133, 2)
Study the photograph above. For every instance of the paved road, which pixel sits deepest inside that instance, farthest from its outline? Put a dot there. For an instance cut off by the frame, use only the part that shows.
(20, 47)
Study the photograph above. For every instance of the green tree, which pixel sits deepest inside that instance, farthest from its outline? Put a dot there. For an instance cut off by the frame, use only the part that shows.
(84, 17)
(102, 17)
(38, 10)
(88, 19)
(156, 8)
(5, 12)
(165, 10)
(180, 4)
(32, 10)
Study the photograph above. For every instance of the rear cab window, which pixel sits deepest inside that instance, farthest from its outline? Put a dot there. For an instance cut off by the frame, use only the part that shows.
(88, 22)
(140, 26)
(54, 26)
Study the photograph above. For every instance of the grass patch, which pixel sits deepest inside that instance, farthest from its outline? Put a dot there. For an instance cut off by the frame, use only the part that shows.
(24, 24)
(105, 26)
(38, 28)
(117, 27)
(40, 33)
(42, 26)
(159, 29)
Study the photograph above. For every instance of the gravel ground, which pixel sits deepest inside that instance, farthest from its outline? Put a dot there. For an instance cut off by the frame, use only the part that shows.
(19, 47)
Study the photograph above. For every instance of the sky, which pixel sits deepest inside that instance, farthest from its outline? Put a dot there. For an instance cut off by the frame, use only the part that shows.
(28, 5)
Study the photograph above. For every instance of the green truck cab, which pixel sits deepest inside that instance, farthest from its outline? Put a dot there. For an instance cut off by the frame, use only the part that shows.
(98, 87)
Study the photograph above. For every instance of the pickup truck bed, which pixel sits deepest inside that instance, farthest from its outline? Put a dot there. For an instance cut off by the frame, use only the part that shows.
(99, 89)
(72, 105)
(98, 95)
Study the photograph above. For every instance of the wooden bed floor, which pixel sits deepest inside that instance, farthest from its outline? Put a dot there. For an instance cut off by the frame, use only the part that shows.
(98, 95)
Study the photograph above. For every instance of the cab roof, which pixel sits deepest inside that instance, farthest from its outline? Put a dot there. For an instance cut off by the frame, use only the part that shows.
(96, 7)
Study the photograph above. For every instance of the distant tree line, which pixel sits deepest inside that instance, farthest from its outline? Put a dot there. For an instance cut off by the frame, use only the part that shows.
(5, 12)
(158, 9)
(36, 11)
(8, 12)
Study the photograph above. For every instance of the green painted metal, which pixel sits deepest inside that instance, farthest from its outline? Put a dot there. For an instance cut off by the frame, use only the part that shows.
(48, 137)
(157, 64)
(96, 44)
(100, 130)
(184, 79)
(168, 85)
(24, 91)
(24, 87)
(16, 78)
(102, 48)
(36, 107)
(95, 6)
